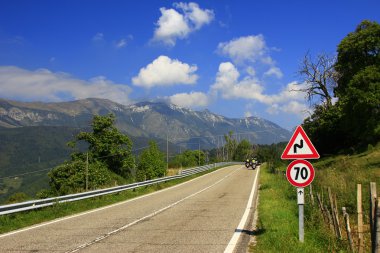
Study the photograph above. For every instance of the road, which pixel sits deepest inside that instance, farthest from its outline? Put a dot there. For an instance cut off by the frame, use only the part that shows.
(200, 215)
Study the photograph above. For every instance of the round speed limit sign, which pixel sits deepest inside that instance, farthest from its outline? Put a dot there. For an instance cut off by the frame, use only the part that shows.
(300, 173)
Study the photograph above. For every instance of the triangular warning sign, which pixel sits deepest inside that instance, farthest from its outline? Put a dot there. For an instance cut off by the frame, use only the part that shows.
(300, 147)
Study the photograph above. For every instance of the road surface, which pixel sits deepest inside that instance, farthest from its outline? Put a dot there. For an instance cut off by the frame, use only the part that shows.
(201, 215)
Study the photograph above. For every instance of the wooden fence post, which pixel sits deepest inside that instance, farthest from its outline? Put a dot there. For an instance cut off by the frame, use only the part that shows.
(348, 229)
(337, 217)
(320, 204)
(360, 217)
(334, 217)
(329, 218)
(377, 226)
(372, 204)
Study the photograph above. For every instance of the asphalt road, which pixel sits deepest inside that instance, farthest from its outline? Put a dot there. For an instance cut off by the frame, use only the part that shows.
(197, 216)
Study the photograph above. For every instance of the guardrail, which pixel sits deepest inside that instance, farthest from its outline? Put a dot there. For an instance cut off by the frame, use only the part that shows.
(35, 204)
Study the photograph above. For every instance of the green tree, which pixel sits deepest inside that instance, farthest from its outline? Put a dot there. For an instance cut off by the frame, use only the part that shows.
(108, 145)
(358, 87)
(71, 177)
(189, 158)
(243, 151)
(231, 145)
(357, 51)
(151, 163)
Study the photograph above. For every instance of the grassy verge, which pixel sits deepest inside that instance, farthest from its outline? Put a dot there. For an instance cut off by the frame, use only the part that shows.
(342, 174)
(277, 227)
(20, 220)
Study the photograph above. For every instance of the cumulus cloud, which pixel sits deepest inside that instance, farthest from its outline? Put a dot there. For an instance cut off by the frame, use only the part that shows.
(173, 25)
(164, 71)
(44, 85)
(192, 99)
(229, 85)
(274, 71)
(292, 107)
(249, 48)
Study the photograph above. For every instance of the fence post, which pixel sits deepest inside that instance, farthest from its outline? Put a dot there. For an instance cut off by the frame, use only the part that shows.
(329, 218)
(360, 217)
(334, 220)
(348, 229)
(372, 205)
(320, 204)
(337, 217)
(377, 226)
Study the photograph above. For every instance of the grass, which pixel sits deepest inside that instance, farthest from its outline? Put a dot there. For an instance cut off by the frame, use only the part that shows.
(277, 229)
(277, 226)
(342, 174)
(15, 221)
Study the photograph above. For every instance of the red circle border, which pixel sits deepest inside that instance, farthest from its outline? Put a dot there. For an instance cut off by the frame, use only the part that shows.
(294, 183)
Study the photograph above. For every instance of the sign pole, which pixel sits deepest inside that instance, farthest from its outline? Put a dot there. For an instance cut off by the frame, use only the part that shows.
(301, 203)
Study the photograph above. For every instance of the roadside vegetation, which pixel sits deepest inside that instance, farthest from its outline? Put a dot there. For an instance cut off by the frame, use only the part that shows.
(345, 128)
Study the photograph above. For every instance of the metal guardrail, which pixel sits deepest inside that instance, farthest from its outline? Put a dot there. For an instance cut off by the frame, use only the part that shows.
(35, 204)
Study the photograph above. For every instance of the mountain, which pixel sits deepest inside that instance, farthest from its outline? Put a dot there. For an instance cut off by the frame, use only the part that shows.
(33, 136)
(146, 119)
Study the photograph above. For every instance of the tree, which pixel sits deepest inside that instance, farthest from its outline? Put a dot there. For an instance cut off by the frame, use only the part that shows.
(231, 145)
(319, 77)
(359, 83)
(108, 145)
(357, 51)
(243, 151)
(70, 177)
(189, 158)
(151, 163)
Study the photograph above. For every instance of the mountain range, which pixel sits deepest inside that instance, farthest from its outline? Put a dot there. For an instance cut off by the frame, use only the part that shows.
(156, 120)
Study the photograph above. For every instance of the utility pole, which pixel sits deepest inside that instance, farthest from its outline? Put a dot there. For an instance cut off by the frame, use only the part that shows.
(167, 152)
(87, 173)
(199, 152)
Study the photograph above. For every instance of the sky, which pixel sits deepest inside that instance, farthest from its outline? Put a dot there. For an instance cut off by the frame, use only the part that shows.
(234, 58)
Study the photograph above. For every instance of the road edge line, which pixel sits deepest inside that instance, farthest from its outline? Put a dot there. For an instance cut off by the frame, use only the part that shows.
(238, 231)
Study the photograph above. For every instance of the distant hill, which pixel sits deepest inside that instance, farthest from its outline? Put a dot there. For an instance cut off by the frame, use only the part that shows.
(145, 119)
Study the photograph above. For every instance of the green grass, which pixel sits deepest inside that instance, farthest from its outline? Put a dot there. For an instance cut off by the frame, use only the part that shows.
(342, 174)
(20, 220)
(277, 226)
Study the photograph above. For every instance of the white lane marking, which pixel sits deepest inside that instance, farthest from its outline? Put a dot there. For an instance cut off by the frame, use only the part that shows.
(105, 236)
(238, 231)
(106, 207)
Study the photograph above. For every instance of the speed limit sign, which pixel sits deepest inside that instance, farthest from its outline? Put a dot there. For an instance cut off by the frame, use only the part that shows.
(300, 173)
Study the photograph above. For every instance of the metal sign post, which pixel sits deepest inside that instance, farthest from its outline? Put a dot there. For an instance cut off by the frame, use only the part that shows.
(301, 203)
(300, 173)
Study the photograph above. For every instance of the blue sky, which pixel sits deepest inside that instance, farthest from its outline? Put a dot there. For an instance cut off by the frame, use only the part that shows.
(235, 58)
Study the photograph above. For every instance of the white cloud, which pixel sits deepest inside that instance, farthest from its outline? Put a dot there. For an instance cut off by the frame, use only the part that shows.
(98, 37)
(229, 85)
(249, 48)
(121, 43)
(192, 99)
(173, 25)
(274, 71)
(44, 85)
(194, 15)
(292, 107)
(164, 71)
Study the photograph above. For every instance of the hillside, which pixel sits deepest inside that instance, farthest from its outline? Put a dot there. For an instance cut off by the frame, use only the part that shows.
(145, 119)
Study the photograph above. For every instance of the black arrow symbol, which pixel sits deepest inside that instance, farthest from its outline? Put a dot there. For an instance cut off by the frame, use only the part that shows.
(300, 192)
